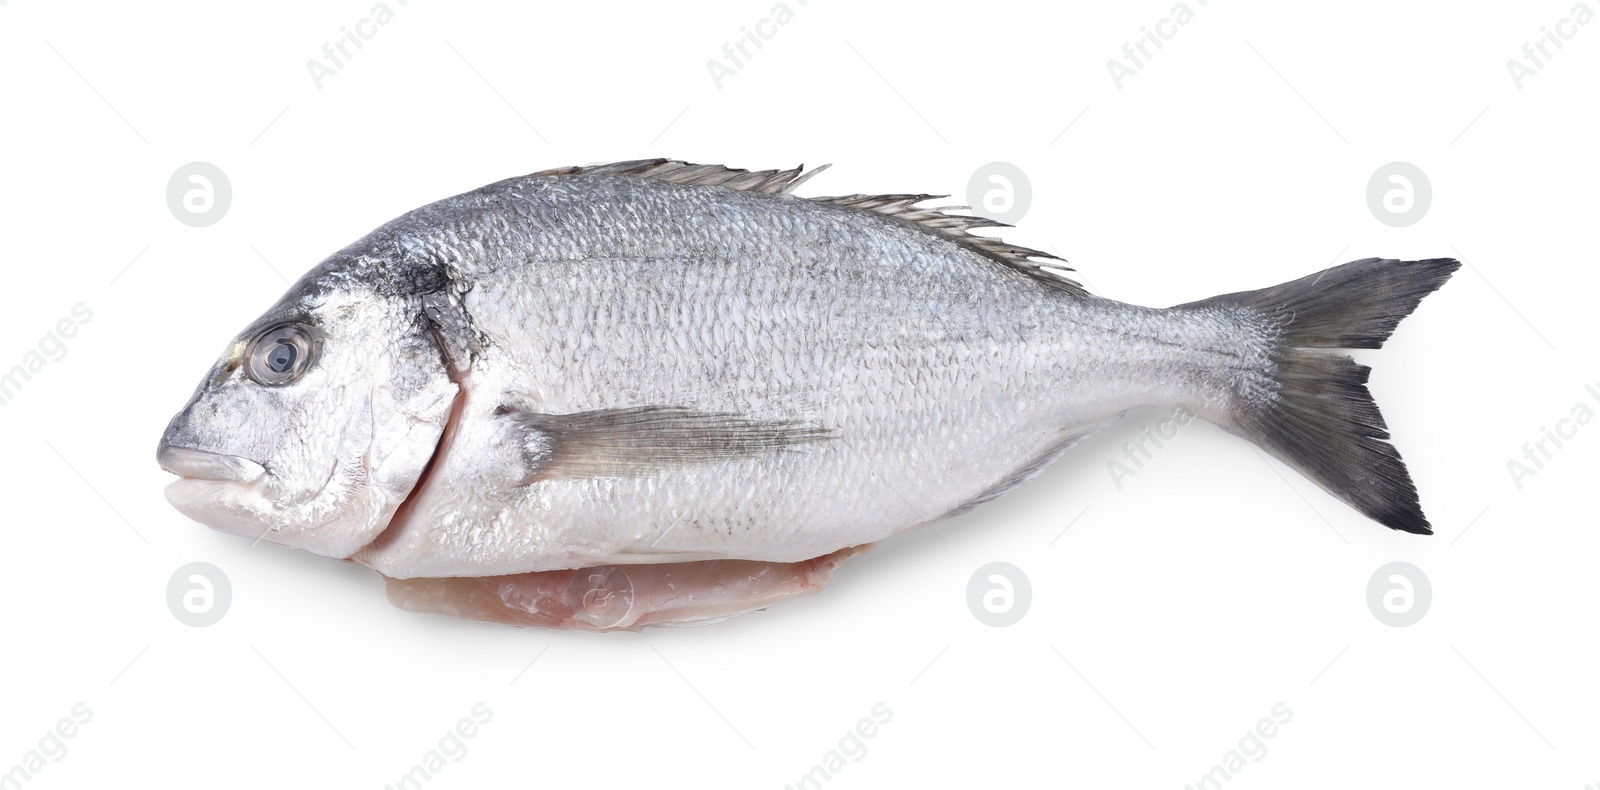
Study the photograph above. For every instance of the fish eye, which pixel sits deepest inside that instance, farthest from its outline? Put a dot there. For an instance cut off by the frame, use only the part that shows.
(280, 355)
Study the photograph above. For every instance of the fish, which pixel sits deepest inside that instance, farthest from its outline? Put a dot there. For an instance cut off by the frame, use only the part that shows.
(661, 393)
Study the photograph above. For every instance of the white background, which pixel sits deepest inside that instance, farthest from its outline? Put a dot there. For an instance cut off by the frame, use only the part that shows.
(1171, 615)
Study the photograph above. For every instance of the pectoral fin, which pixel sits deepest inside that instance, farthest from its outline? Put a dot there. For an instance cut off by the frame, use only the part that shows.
(644, 440)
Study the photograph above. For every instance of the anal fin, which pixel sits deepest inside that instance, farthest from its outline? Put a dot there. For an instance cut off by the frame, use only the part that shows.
(1069, 438)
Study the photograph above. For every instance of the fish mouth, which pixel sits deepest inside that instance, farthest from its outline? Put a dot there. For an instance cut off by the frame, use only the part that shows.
(192, 464)
(211, 487)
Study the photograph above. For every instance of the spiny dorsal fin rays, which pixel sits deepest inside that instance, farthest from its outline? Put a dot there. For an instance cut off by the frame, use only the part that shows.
(767, 181)
(957, 227)
(954, 227)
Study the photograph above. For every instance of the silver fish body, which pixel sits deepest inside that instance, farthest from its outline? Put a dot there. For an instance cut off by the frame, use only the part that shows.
(660, 363)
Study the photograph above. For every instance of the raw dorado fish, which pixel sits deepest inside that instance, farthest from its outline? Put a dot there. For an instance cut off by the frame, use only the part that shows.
(687, 382)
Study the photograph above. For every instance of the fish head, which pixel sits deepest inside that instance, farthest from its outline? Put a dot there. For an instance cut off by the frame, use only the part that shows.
(316, 422)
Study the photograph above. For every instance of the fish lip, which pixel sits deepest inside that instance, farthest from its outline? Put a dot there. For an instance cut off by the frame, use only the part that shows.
(192, 464)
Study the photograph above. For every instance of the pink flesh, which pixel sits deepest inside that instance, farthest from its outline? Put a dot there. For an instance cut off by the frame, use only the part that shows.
(621, 597)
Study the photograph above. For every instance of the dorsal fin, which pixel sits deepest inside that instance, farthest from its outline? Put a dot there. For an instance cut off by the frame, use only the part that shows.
(957, 227)
(954, 227)
(768, 181)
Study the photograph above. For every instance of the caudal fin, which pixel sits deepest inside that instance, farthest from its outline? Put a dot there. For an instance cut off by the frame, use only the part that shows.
(1320, 418)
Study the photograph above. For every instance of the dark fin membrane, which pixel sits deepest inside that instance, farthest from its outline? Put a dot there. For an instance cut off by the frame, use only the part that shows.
(1321, 419)
(1353, 305)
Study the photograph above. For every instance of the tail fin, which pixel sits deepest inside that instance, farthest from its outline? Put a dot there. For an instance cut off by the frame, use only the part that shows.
(1321, 419)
